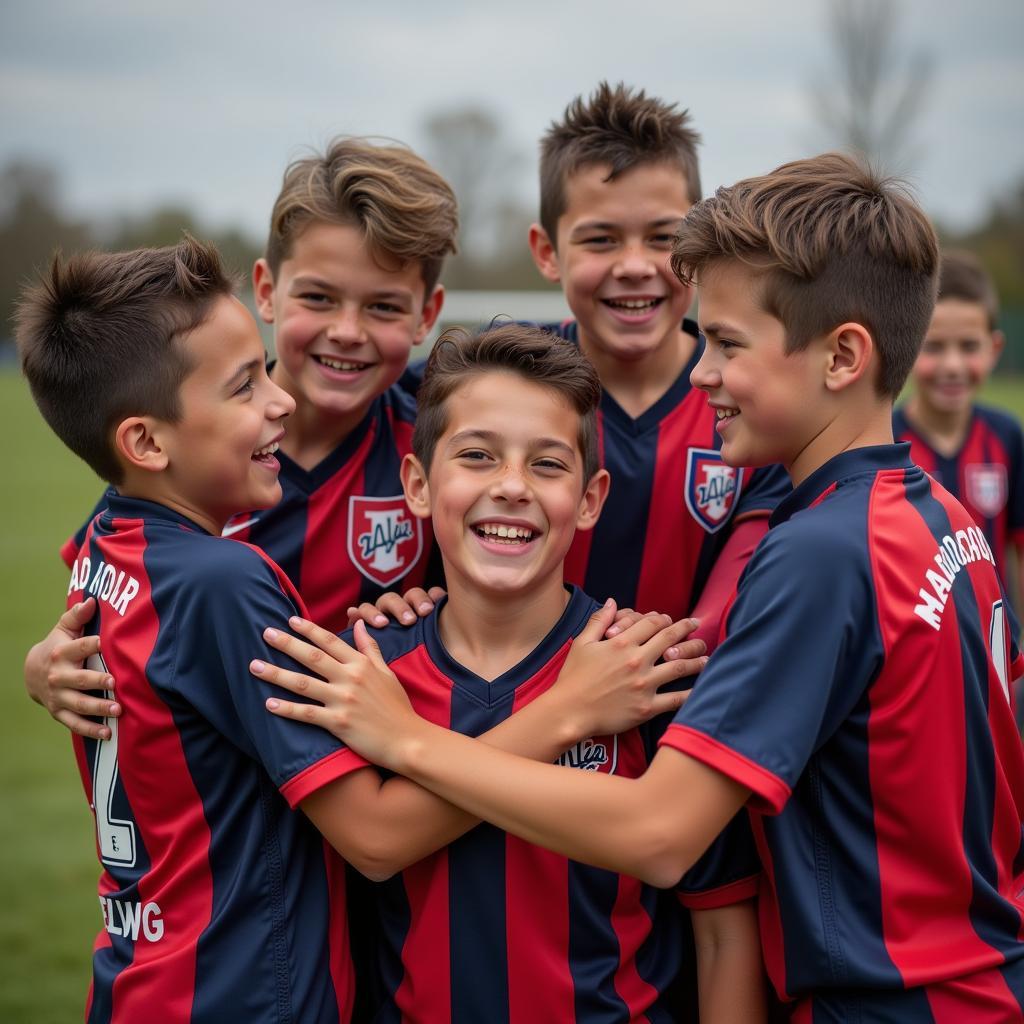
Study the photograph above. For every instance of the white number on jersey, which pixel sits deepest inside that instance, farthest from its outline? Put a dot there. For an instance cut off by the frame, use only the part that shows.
(116, 837)
(997, 645)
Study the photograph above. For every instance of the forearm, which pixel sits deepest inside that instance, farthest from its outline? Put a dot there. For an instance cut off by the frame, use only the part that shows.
(730, 975)
(400, 822)
(641, 827)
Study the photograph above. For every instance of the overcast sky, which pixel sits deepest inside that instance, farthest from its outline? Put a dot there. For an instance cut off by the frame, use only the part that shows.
(138, 102)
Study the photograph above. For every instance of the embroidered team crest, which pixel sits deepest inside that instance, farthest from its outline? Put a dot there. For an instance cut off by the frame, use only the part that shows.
(986, 487)
(711, 487)
(384, 538)
(598, 754)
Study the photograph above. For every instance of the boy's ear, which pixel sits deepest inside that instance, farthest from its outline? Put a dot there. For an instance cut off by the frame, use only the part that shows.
(594, 495)
(263, 290)
(998, 344)
(431, 311)
(415, 486)
(542, 249)
(850, 353)
(137, 443)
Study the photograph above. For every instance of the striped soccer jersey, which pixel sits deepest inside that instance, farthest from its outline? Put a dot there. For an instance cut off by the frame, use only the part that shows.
(862, 694)
(986, 474)
(342, 531)
(494, 929)
(220, 902)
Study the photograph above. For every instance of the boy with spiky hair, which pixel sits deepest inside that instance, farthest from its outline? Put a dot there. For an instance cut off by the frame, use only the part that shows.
(975, 451)
(618, 173)
(859, 703)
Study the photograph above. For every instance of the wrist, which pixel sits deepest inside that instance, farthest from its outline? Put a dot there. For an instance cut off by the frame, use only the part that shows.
(568, 719)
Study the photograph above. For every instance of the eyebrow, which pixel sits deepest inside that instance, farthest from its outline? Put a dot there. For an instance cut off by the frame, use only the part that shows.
(604, 225)
(240, 372)
(308, 280)
(490, 437)
(717, 330)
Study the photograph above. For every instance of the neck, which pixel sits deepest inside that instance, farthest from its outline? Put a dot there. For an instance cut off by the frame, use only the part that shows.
(490, 632)
(312, 434)
(636, 384)
(945, 431)
(843, 433)
(210, 521)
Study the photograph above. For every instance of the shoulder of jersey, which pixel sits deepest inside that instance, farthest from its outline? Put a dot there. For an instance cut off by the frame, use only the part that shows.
(394, 640)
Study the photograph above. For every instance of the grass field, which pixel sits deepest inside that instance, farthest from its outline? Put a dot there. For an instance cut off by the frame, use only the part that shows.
(47, 862)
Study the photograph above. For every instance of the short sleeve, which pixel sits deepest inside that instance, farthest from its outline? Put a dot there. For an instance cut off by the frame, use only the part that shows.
(728, 872)
(802, 645)
(235, 596)
(767, 487)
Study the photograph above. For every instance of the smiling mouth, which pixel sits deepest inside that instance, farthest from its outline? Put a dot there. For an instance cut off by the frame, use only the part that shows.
(634, 307)
(342, 365)
(726, 414)
(499, 533)
(266, 453)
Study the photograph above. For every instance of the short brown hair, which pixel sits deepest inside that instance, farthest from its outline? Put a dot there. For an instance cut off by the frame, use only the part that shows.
(621, 128)
(961, 276)
(833, 242)
(533, 354)
(406, 211)
(99, 339)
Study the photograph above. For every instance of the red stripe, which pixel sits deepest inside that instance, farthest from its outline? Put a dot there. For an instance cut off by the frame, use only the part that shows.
(723, 896)
(769, 919)
(668, 558)
(69, 551)
(984, 996)
(920, 453)
(330, 583)
(425, 990)
(342, 973)
(769, 792)
(574, 569)
(913, 809)
(168, 812)
(984, 446)
(327, 769)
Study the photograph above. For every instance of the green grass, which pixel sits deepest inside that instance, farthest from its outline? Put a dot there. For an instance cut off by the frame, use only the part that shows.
(47, 857)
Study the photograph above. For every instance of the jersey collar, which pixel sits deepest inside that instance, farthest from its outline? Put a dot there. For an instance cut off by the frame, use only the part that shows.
(119, 506)
(856, 462)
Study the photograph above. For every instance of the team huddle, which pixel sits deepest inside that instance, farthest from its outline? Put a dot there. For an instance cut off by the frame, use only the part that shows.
(619, 669)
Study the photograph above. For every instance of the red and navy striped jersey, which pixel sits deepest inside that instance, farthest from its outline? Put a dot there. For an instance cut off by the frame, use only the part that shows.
(672, 499)
(220, 902)
(861, 693)
(342, 531)
(494, 929)
(986, 475)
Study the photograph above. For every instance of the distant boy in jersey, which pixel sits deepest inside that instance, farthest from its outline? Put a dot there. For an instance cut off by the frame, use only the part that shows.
(975, 452)
(349, 280)
(220, 902)
(505, 464)
(859, 701)
(618, 173)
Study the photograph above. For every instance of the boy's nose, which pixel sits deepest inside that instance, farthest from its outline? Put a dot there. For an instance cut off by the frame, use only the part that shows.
(705, 375)
(511, 483)
(346, 328)
(635, 261)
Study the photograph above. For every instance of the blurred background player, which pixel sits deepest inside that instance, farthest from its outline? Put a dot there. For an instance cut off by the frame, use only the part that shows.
(975, 451)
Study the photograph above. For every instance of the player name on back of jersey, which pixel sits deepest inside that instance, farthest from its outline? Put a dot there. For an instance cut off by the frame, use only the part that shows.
(954, 553)
(105, 582)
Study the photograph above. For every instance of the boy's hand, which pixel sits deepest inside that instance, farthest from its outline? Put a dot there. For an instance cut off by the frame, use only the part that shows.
(56, 676)
(611, 685)
(402, 608)
(360, 699)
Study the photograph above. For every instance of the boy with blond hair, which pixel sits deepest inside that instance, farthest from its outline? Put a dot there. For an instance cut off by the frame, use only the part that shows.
(859, 703)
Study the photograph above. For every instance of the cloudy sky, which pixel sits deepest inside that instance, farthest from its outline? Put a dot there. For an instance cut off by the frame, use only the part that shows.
(138, 102)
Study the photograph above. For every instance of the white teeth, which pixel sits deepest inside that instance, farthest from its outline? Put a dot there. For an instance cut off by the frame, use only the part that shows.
(723, 414)
(632, 303)
(268, 449)
(500, 531)
(338, 364)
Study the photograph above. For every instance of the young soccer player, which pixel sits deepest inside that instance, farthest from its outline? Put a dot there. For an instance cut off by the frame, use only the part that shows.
(220, 902)
(349, 280)
(618, 173)
(975, 452)
(859, 702)
(505, 464)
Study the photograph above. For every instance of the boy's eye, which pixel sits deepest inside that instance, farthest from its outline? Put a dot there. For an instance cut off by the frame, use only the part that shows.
(663, 241)
(551, 464)
(246, 386)
(597, 240)
(314, 298)
(387, 307)
(474, 455)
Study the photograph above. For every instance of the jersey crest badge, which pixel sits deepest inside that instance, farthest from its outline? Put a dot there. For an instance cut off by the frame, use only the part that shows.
(711, 487)
(986, 487)
(384, 538)
(597, 754)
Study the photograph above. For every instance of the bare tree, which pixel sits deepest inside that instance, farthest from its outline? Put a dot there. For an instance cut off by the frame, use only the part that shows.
(875, 91)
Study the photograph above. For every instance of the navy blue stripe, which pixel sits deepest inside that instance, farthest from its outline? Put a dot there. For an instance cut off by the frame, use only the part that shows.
(857, 1006)
(993, 919)
(1013, 975)
(395, 922)
(476, 893)
(281, 531)
(592, 942)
